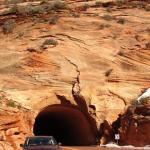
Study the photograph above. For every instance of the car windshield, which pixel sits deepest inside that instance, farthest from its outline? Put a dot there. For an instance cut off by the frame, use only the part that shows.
(41, 141)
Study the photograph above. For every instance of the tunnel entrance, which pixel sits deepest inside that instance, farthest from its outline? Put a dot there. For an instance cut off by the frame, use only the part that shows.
(67, 124)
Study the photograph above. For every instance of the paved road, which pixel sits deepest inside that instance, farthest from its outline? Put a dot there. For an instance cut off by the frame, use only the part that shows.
(85, 148)
(101, 148)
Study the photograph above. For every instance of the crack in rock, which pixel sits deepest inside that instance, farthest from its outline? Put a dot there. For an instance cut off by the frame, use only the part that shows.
(118, 97)
(82, 47)
(76, 89)
(72, 38)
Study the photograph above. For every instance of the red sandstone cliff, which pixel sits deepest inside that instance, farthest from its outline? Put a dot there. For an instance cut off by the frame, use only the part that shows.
(103, 47)
(135, 126)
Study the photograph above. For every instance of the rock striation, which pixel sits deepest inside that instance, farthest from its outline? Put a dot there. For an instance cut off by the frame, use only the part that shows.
(99, 49)
(15, 125)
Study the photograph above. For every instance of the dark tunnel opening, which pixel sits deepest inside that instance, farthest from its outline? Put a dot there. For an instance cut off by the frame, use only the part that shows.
(67, 124)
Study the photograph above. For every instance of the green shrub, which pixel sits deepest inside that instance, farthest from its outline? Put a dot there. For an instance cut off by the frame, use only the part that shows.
(102, 26)
(147, 45)
(20, 34)
(85, 7)
(119, 3)
(107, 17)
(48, 42)
(58, 4)
(24, 10)
(8, 26)
(35, 10)
(53, 20)
(121, 21)
(45, 7)
(11, 104)
(54, 6)
(76, 15)
(29, 10)
(13, 10)
(98, 3)
(19, 106)
(109, 10)
(7, 2)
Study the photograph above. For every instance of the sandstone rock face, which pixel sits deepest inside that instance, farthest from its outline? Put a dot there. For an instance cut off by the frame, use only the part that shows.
(100, 50)
(110, 58)
(15, 125)
(135, 125)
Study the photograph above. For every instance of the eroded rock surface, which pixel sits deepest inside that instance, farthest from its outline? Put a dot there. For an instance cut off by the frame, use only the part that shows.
(100, 49)
(109, 58)
(15, 125)
(135, 125)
